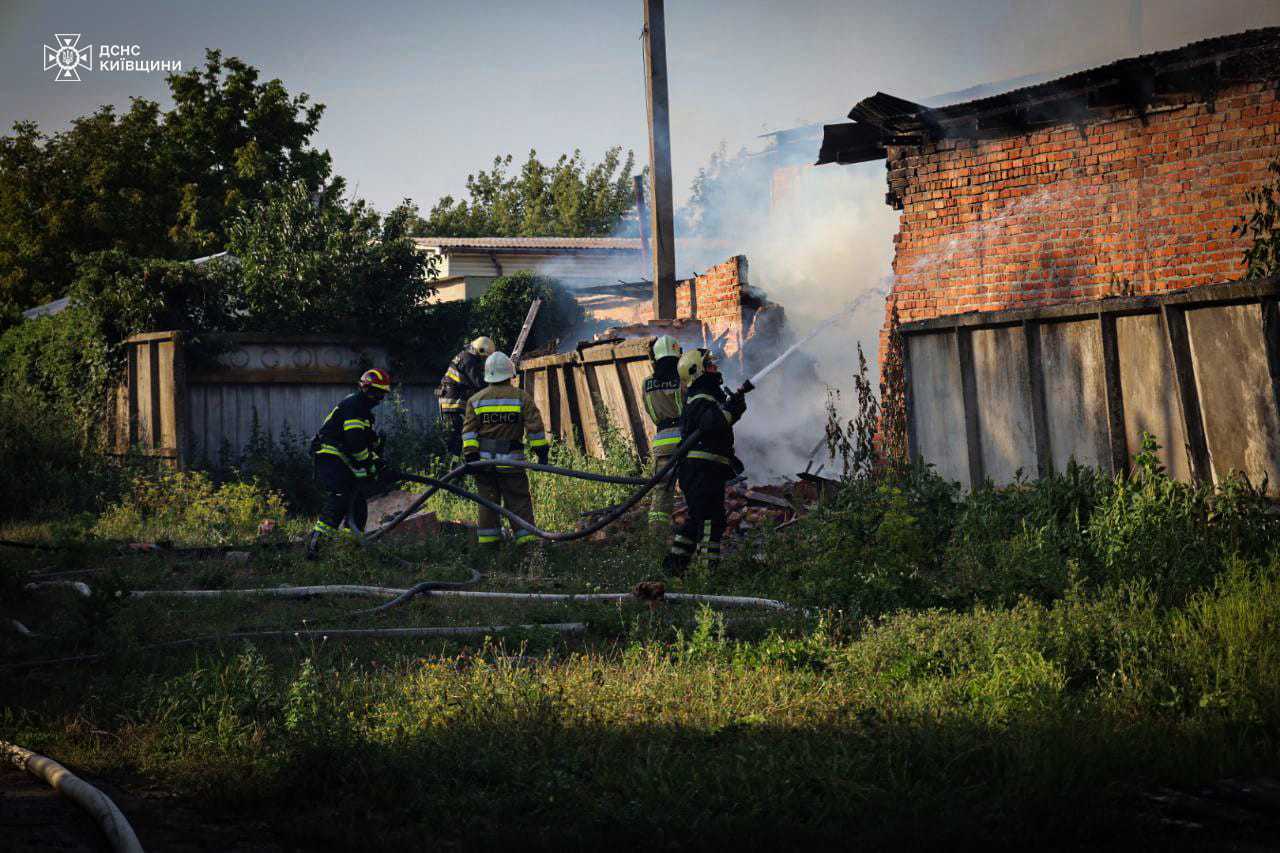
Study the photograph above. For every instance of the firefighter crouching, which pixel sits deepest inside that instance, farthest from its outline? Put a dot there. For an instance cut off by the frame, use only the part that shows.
(463, 378)
(495, 422)
(346, 454)
(664, 401)
(709, 465)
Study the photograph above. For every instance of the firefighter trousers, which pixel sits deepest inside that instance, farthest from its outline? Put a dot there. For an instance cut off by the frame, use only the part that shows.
(703, 485)
(451, 422)
(663, 497)
(342, 493)
(509, 489)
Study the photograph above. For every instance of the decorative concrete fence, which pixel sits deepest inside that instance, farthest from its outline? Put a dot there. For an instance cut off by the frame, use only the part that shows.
(174, 407)
(992, 394)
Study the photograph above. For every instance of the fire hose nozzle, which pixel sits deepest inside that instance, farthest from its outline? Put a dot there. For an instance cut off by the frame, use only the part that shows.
(746, 387)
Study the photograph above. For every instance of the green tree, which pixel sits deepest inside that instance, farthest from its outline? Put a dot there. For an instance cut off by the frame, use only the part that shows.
(500, 312)
(306, 264)
(567, 199)
(151, 183)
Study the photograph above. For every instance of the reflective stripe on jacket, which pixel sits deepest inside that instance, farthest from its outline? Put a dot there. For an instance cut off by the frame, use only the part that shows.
(501, 421)
(347, 432)
(704, 409)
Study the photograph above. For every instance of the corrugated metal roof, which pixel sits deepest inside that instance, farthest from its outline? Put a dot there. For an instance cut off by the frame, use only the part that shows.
(552, 244)
(1135, 82)
(607, 244)
(48, 309)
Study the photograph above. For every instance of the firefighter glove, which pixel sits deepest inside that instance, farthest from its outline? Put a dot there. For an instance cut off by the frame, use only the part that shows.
(736, 405)
(541, 453)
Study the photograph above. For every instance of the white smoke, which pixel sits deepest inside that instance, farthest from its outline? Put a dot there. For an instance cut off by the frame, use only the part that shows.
(815, 243)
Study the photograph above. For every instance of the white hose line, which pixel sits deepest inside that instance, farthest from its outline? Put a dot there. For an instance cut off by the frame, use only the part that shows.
(79, 586)
(115, 826)
(388, 592)
(22, 629)
(725, 600)
(273, 592)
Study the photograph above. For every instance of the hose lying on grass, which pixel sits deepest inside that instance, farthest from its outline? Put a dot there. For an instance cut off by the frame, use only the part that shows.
(326, 634)
(423, 588)
(115, 826)
(20, 628)
(398, 596)
(79, 586)
(436, 484)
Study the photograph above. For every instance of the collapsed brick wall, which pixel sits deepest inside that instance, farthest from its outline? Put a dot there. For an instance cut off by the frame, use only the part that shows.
(716, 297)
(1128, 205)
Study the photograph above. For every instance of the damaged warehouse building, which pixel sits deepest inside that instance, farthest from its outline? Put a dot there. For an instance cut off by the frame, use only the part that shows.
(1066, 272)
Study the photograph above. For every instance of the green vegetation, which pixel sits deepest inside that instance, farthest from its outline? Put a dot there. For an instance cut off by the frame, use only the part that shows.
(566, 199)
(1262, 226)
(1010, 667)
(153, 183)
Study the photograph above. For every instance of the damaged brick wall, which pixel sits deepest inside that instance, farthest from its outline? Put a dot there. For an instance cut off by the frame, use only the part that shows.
(718, 298)
(1128, 205)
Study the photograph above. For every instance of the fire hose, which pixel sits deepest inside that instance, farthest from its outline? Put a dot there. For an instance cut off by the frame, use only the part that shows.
(114, 825)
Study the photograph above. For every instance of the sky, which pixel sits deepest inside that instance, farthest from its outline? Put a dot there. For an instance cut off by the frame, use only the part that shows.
(419, 94)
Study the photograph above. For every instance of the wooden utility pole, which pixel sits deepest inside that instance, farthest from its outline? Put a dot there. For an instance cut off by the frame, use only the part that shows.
(664, 250)
(642, 219)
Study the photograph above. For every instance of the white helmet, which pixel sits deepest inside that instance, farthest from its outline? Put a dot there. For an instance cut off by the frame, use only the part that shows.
(482, 346)
(498, 368)
(666, 347)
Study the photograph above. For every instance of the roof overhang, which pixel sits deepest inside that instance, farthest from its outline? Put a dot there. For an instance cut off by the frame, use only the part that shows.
(1135, 85)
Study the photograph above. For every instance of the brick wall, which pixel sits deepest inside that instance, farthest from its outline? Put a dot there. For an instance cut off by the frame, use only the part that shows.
(1119, 206)
(714, 295)
(716, 298)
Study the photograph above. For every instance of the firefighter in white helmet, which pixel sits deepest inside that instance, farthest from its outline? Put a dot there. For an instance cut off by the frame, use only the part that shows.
(499, 423)
(464, 377)
(664, 401)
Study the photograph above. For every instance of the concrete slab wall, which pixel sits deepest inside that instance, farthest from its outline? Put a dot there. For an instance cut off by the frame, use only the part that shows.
(1149, 394)
(937, 404)
(1075, 394)
(1005, 419)
(1242, 422)
(991, 393)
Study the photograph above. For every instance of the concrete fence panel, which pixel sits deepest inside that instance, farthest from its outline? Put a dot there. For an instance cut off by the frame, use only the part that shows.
(207, 410)
(991, 393)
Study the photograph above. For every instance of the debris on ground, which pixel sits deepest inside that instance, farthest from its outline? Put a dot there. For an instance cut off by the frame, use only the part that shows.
(747, 506)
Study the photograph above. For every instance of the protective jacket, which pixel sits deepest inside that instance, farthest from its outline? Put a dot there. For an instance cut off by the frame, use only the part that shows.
(499, 420)
(708, 407)
(664, 401)
(347, 434)
(463, 378)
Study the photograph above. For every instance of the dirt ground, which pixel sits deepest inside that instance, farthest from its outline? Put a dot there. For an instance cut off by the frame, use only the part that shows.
(34, 817)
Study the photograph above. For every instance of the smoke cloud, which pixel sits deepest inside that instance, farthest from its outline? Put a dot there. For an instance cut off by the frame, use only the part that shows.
(817, 240)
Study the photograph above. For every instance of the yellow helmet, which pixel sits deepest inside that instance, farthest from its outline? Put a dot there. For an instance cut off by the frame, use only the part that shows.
(483, 346)
(693, 364)
(666, 347)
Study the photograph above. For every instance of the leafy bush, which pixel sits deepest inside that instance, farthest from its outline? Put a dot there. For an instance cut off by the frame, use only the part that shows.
(500, 312)
(189, 508)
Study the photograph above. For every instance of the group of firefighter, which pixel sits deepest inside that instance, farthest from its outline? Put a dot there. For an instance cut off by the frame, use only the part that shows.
(489, 419)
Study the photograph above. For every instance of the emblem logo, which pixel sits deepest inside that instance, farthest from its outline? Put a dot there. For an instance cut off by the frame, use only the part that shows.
(68, 57)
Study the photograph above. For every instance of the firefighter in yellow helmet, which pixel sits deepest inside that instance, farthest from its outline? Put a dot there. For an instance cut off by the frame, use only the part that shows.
(664, 401)
(498, 424)
(464, 377)
(709, 465)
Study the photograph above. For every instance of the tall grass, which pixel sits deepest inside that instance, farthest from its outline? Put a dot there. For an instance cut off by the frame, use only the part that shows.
(559, 502)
